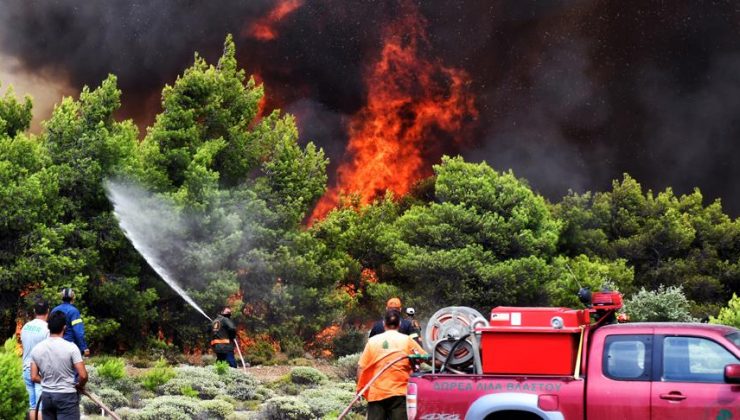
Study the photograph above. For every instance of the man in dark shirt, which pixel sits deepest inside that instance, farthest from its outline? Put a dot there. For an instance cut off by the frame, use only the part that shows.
(394, 304)
(223, 335)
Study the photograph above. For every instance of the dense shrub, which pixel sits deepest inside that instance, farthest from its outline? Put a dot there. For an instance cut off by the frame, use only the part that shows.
(114, 399)
(729, 315)
(261, 353)
(13, 396)
(215, 409)
(243, 388)
(292, 347)
(204, 387)
(664, 304)
(326, 400)
(347, 367)
(111, 368)
(304, 375)
(286, 408)
(169, 408)
(157, 376)
(349, 341)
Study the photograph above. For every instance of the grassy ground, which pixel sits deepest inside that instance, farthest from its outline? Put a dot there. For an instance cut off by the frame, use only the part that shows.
(296, 389)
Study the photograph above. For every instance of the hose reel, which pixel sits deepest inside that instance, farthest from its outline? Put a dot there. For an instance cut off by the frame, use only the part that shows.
(450, 337)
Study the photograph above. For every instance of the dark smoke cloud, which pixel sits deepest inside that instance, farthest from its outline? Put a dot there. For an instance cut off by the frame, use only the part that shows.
(571, 94)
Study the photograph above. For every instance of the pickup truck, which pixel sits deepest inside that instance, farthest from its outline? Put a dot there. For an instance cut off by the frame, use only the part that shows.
(627, 371)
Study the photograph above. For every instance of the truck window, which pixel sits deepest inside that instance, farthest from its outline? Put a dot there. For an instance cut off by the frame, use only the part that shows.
(627, 357)
(734, 338)
(694, 359)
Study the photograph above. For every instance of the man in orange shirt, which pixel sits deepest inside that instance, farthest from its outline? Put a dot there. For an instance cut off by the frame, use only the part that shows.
(387, 395)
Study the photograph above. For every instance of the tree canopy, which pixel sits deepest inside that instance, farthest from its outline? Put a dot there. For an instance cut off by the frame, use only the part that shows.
(236, 188)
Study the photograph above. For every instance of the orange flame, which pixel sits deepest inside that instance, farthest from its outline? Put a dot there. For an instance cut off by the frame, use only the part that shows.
(264, 28)
(409, 101)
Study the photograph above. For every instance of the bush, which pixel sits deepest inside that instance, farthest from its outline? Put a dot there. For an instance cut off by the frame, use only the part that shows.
(13, 395)
(729, 315)
(160, 349)
(292, 347)
(221, 367)
(286, 408)
(261, 353)
(111, 368)
(169, 408)
(216, 409)
(243, 388)
(349, 341)
(110, 397)
(325, 401)
(664, 304)
(159, 375)
(347, 367)
(303, 375)
(188, 391)
(205, 388)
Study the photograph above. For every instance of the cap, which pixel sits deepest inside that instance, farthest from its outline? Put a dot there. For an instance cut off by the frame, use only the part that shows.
(393, 303)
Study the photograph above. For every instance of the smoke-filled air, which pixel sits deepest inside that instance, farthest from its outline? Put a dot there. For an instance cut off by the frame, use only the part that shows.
(202, 189)
(154, 227)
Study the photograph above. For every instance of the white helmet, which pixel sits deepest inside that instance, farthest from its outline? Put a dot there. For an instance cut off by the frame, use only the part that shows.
(410, 311)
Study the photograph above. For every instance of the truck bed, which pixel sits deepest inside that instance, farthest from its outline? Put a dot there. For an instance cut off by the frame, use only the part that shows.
(450, 396)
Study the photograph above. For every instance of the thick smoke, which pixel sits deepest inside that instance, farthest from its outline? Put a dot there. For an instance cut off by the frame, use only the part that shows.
(571, 94)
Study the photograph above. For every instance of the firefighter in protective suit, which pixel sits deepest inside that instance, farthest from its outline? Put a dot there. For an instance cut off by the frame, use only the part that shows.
(223, 333)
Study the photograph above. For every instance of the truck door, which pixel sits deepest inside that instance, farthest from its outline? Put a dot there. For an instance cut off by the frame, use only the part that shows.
(619, 383)
(690, 383)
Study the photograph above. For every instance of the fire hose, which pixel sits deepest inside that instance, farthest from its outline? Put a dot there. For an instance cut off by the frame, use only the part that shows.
(377, 375)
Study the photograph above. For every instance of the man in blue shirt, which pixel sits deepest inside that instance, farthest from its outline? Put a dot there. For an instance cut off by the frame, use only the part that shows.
(75, 331)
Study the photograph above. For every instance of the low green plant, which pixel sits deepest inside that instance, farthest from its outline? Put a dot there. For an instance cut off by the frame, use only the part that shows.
(326, 400)
(188, 391)
(286, 408)
(216, 409)
(303, 375)
(729, 315)
(347, 367)
(221, 367)
(159, 375)
(13, 396)
(111, 368)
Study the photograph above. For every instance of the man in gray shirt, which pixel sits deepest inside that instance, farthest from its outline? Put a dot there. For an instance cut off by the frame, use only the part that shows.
(33, 333)
(54, 362)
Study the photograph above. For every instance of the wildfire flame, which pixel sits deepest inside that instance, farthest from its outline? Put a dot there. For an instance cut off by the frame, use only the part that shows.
(410, 100)
(264, 28)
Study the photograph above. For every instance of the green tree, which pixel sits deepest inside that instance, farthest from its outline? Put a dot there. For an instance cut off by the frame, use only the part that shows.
(729, 315)
(483, 242)
(13, 395)
(662, 305)
(667, 239)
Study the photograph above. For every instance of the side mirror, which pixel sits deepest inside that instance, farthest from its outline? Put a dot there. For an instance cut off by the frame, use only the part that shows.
(732, 374)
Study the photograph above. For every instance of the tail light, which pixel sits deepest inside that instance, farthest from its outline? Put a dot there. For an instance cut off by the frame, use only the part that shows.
(411, 401)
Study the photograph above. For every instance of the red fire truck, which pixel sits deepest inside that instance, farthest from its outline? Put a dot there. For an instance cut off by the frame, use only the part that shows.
(558, 363)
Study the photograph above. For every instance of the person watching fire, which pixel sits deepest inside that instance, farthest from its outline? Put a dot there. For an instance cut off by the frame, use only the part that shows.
(386, 396)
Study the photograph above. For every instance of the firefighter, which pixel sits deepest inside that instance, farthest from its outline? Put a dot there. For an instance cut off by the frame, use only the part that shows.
(75, 332)
(404, 328)
(386, 396)
(415, 326)
(223, 334)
